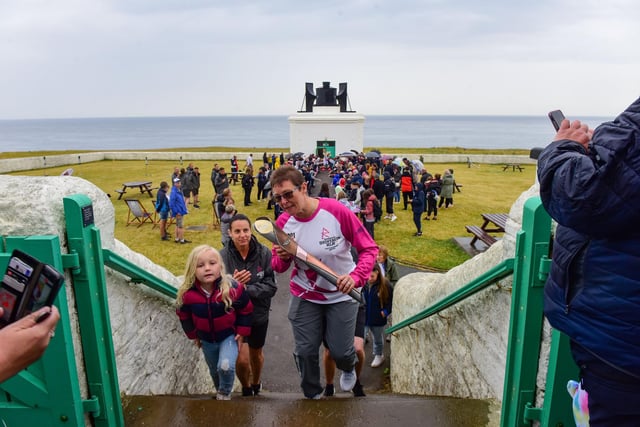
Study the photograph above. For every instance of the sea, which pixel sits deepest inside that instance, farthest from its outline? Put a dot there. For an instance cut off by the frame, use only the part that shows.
(142, 133)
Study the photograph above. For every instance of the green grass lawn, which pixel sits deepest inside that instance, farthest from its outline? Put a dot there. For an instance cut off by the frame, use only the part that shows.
(486, 188)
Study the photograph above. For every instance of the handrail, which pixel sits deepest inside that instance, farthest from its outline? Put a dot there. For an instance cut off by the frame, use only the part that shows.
(137, 274)
(500, 271)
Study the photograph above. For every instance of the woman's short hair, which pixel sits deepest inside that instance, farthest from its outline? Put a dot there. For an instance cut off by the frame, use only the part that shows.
(286, 173)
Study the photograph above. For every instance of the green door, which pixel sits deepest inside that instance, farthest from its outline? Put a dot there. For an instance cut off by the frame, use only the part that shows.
(326, 148)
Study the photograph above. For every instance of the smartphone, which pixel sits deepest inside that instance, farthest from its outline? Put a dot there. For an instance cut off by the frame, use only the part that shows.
(556, 118)
(27, 286)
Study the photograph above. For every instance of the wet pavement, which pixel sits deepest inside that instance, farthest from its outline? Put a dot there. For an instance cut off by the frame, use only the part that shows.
(286, 409)
(281, 402)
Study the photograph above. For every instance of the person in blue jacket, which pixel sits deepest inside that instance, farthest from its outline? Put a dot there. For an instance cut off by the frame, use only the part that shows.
(590, 185)
(178, 210)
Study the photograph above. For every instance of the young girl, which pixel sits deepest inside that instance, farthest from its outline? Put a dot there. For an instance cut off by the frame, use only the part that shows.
(215, 311)
(377, 295)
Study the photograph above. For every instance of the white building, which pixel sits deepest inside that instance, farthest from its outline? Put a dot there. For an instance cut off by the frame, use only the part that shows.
(326, 125)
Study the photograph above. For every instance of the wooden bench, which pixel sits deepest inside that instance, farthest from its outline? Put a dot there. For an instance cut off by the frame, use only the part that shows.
(513, 166)
(480, 234)
(122, 192)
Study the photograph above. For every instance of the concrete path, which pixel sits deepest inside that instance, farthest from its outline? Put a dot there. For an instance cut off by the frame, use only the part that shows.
(282, 403)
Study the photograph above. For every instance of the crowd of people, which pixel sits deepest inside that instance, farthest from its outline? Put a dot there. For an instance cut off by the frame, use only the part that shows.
(321, 313)
(224, 301)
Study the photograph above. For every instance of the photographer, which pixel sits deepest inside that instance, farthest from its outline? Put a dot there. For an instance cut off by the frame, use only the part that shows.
(590, 184)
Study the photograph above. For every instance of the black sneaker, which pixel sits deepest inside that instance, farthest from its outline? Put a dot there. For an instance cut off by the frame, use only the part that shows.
(329, 390)
(247, 391)
(358, 391)
(196, 206)
(183, 241)
(256, 388)
(165, 238)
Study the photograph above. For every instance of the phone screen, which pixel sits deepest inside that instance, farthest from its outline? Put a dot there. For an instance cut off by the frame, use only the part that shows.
(27, 286)
(15, 280)
(40, 295)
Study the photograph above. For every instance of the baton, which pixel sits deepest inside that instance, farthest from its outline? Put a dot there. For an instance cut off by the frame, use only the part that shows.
(270, 231)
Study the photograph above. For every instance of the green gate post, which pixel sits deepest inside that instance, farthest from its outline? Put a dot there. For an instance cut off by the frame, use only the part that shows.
(47, 393)
(525, 329)
(93, 310)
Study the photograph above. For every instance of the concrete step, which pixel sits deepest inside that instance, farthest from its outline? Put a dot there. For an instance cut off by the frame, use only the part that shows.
(291, 409)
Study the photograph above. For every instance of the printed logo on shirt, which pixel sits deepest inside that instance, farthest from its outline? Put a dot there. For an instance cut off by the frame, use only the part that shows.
(330, 242)
(324, 233)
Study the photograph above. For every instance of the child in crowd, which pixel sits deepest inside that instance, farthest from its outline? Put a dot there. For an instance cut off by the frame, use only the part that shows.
(387, 265)
(215, 311)
(432, 190)
(324, 190)
(368, 215)
(378, 296)
(228, 197)
(162, 208)
(417, 205)
(225, 223)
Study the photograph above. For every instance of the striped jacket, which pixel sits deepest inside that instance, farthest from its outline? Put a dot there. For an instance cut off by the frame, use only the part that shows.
(204, 317)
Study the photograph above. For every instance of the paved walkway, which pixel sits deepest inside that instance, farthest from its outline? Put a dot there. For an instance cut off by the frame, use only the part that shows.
(282, 403)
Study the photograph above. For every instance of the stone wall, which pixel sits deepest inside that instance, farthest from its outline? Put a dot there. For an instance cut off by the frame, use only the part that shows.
(29, 163)
(460, 352)
(153, 355)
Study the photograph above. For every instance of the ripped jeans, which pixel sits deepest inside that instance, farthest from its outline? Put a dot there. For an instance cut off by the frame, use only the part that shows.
(221, 359)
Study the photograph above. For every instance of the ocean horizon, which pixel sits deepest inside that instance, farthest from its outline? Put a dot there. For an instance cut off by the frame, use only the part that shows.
(143, 133)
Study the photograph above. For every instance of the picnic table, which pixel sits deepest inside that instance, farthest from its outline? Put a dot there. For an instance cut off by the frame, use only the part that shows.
(493, 223)
(144, 186)
(513, 166)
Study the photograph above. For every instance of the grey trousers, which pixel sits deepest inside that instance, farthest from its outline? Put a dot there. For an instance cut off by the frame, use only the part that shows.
(311, 323)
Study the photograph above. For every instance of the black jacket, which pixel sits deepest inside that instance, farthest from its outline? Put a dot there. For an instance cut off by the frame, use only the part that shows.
(262, 286)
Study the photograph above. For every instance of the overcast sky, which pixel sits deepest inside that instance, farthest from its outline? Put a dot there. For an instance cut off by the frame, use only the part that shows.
(114, 58)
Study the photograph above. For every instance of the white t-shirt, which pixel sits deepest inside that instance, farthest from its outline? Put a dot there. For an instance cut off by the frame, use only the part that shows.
(328, 235)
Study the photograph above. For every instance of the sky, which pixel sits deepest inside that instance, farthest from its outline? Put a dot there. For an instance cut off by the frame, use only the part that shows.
(132, 58)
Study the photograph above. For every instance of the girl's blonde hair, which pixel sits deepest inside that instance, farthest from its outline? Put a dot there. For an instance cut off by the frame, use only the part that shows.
(190, 276)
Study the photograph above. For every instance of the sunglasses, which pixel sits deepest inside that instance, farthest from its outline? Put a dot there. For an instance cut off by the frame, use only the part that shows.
(287, 195)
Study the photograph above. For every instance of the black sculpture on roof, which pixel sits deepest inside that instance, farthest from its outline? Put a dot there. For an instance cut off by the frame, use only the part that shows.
(326, 96)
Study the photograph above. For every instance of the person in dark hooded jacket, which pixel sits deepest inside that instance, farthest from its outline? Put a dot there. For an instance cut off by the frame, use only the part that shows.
(590, 185)
(417, 205)
(249, 262)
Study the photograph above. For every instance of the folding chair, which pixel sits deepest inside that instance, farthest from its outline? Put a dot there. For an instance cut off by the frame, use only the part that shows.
(137, 213)
(216, 216)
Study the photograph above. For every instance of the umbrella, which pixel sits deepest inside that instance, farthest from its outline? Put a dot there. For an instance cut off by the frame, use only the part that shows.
(346, 154)
(372, 155)
(398, 161)
(417, 165)
(387, 157)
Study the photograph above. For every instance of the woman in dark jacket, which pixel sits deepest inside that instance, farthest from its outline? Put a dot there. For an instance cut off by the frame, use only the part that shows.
(591, 187)
(249, 262)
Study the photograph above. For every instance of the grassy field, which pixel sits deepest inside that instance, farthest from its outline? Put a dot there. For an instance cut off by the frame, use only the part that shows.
(486, 188)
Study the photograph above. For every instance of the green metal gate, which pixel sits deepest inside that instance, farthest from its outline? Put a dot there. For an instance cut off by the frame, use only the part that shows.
(48, 392)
